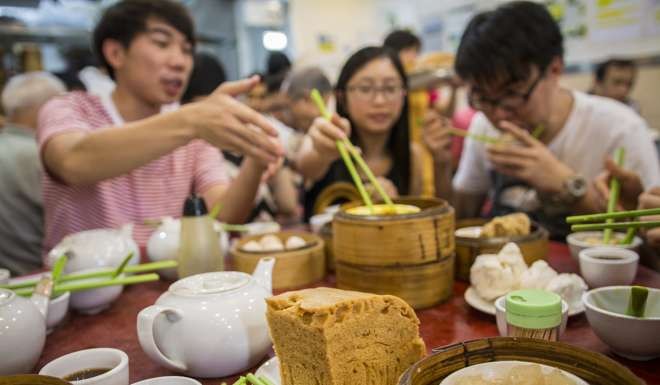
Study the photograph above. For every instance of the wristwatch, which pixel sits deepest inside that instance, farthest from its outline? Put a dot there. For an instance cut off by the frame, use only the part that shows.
(573, 189)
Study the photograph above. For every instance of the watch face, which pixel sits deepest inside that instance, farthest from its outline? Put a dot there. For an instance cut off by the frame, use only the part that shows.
(577, 186)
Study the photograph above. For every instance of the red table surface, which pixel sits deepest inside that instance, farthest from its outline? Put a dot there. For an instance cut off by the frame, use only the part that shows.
(447, 323)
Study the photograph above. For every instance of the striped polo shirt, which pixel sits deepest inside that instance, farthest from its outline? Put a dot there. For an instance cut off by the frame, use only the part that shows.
(156, 189)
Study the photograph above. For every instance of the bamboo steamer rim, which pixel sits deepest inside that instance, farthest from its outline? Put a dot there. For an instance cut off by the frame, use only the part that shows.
(560, 355)
(437, 207)
(537, 232)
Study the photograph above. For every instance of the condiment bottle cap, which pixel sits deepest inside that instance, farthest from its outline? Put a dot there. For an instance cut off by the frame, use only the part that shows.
(533, 309)
(194, 206)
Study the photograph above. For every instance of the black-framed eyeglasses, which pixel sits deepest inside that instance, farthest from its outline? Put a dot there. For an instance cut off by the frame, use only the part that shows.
(511, 101)
(368, 92)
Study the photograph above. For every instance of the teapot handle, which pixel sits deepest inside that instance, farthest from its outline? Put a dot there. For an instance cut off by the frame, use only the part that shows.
(145, 329)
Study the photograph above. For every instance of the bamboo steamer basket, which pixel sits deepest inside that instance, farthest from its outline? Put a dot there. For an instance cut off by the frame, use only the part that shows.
(421, 286)
(391, 240)
(326, 234)
(592, 367)
(533, 246)
(293, 268)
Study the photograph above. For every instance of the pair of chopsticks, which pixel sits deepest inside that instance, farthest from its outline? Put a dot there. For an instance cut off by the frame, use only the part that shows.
(581, 222)
(113, 277)
(345, 148)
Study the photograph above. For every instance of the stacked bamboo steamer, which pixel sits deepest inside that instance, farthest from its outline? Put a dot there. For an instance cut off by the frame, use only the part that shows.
(410, 256)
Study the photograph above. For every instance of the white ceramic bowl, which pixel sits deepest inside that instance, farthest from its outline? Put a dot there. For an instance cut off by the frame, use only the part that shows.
(578, 242)
(57, 309)
(500, 316)
(630, 337)
(169, 380)
(608, 266)
(94, 300)
(91, 359)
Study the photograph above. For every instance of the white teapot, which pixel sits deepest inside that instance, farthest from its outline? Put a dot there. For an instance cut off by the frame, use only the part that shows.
(96, 248)
(22, 332)
(211, 324)
(163, 243)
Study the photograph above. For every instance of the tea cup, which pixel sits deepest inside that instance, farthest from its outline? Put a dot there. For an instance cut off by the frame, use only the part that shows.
(608, 266)
(168, 380)
(114, 361)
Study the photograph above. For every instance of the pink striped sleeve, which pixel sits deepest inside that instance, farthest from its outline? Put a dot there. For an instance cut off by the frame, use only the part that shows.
(210, 170)
(59, 115)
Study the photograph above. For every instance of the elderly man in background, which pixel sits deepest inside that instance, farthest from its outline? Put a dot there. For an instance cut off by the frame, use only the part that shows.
(21, 213)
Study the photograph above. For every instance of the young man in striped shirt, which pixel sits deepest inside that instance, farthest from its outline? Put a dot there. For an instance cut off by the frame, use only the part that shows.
(116, 159)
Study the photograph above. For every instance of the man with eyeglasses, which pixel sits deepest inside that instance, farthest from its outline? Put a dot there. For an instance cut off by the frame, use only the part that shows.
(511, 59)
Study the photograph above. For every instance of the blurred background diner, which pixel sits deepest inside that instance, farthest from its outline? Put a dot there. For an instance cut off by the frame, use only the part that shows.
(296, 46)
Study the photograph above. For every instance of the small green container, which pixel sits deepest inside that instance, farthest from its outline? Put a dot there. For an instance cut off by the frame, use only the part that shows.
(533, 313)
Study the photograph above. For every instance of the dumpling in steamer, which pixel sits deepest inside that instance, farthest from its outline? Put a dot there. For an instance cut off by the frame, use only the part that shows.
(507, 225)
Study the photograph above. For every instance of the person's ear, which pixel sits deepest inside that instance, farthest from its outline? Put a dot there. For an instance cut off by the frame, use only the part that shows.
(556, 67)
(114, 53)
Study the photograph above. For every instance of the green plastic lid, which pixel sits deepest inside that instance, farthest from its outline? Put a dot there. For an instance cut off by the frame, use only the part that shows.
(533, 309)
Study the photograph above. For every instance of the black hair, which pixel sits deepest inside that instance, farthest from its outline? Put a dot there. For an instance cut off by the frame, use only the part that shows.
(501, 46)
(401, 39)
(398, 144)
(125, 19)
(207, 74)
(277, 63)
(601, 68)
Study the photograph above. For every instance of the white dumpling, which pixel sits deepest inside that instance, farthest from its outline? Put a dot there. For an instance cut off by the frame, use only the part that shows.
(570, 287)
(511, 256)
(252, 246)
(295, 242)
(490, 278)
(537, 276)
(271, 242)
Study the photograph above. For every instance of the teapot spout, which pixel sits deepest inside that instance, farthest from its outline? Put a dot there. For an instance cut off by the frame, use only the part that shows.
(263, 273)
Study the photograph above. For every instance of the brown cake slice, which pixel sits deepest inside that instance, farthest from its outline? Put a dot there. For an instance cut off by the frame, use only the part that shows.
(327, 336)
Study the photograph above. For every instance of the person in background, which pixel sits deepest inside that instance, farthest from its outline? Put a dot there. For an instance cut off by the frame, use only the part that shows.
(406, 44)
(277, 198)
(615, 78)
(512, 59)
(297, 87)
(116, 159)
(21, 209)
(371, 98)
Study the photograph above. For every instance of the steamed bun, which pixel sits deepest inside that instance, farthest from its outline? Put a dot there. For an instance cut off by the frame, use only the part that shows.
(570, 287)
(537, 276)
(495, 275)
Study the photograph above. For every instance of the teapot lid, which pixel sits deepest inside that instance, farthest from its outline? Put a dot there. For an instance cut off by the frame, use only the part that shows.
(210, 283)
(6, 295)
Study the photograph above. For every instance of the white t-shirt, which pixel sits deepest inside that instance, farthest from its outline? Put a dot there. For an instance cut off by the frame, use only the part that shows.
(594, 129)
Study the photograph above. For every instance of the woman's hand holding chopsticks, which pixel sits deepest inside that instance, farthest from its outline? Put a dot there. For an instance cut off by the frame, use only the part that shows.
(325, 133)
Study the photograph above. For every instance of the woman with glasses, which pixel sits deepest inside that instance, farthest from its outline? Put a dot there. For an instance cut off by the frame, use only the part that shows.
(372, 110)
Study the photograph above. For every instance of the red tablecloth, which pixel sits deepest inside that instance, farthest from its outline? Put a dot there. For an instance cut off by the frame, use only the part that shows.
(447, 323)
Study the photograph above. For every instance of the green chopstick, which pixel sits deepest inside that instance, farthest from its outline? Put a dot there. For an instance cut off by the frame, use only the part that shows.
(637, 301)
(630, 235)
(79, 286)
(615, 226)
(538, 130)
(615, 188)
(58, 268)
(236, 228)
(477, 137)
(615, 215)
(143, 268)
(215, 210)
(122, 266)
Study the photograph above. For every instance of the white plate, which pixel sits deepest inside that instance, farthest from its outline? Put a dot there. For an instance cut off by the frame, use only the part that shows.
(473, 299)
(271, 370)
(489, 370)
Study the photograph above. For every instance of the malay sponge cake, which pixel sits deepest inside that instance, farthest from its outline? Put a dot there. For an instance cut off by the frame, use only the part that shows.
(326, 336)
